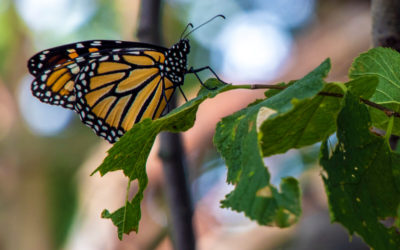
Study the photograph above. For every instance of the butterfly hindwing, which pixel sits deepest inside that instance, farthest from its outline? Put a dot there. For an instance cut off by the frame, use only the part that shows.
(56, 85)
(120, 89)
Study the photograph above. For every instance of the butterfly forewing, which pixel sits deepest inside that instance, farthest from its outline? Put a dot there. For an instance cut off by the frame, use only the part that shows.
(49, 58)
(120, 89)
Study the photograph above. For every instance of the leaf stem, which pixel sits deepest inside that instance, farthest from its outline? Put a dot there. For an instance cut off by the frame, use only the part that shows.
(126, 206)
(128, 188)
(387, 111)
(389, 129)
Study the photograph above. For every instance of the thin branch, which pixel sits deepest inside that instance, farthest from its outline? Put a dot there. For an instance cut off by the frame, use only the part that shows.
(387, 111)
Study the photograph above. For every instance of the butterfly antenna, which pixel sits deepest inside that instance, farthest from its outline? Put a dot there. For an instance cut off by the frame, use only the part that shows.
(222, 16)
(187, 26)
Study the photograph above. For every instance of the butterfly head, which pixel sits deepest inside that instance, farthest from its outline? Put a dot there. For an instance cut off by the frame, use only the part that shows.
(184, 45)
(176, 61)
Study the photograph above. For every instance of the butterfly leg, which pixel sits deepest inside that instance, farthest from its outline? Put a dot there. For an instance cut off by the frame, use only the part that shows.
(195, 71)
(180, 89)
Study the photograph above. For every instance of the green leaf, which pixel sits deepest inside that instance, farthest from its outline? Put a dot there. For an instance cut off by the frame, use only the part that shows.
(272, 92)
(363, 86)
(127, 156)
(236, 138)
(308, 122)
(362, 178)
(306, 87)
(382, 63)
(381, 120)
(130, 153)
(126, 218)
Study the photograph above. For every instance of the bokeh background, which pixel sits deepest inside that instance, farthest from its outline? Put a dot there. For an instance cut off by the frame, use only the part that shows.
(48, 200)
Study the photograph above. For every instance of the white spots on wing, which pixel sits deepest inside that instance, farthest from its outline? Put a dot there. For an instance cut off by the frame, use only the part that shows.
(79, 59)
(74, 68)
(95, 54)
(96, 43)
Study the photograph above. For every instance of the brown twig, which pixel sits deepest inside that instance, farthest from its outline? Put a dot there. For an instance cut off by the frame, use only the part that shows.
(387, 111)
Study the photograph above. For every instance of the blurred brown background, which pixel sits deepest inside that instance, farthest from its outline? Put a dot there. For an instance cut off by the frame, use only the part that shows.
(47, 198)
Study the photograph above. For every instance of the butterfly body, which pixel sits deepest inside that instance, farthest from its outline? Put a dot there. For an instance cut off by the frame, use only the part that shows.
(111, 84)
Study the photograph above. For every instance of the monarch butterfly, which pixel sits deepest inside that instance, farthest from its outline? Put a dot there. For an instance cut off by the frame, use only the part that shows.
(112, 84)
